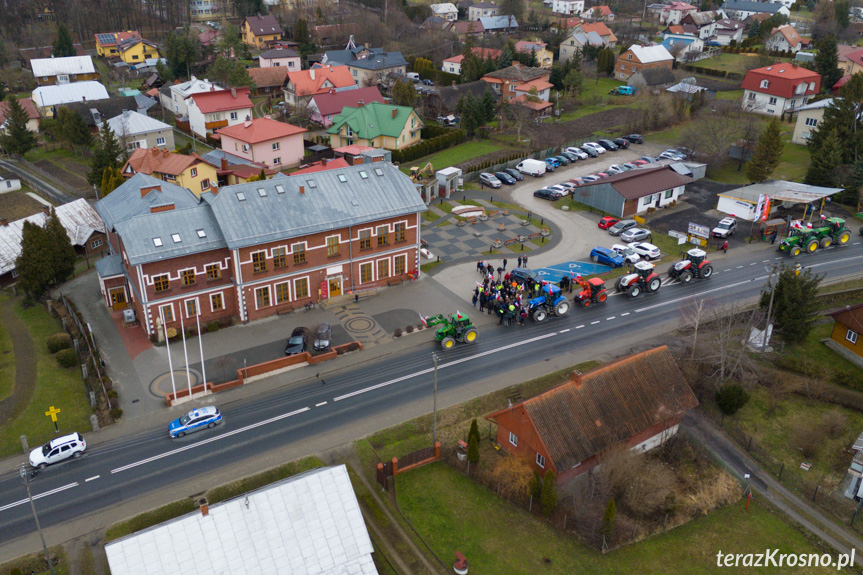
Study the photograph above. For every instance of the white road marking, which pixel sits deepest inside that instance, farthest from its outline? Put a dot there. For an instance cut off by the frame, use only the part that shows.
(210, 440)
(738, 267)
(765, 261)
(624, 314)
(610, 318)
(450, 364)
(856, 244)
(320, 404)
(564, 330)
(91, 478)
(754, 263)
(701, 293)
(39, 496)
(594, 322)
(579, 326)
(728, 270)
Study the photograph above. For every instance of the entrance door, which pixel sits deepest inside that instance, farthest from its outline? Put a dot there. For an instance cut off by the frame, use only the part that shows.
(118, 298)
(335, 285)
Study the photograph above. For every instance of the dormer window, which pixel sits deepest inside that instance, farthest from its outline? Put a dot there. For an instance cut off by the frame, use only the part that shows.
(342, 178)
(157, 242)
(262, 192)
(202, 234)
(241, 196)
(765, 83)
(176, 237)
(812, 86)
(280, 189)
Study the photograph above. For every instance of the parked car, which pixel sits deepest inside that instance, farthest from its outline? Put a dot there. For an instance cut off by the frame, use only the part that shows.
(640, 163)
(323, 335)
(489, 180)
(621, 226)
(515, 174)
(606, 257)
(608, 145)
(568, 185)
(552, 164)
(622, 91)
(195, 420)
(602, 175)
(627, 253)
(428, 82)
(569, 156)
(673, 156)
(523, 274)
(635, 235)
(725, 228)
(614, 169)
(607, 221)
(635, 138)
(646, 250)
(297, 342)
(578, 180)
(559, 190)
(58, 449)
(621, 143)
(564, 161)
(535, 168)
(546, 194)
(590, 151)
(581, 154)
(629, 166)
(598, 148)
(649, 159)
(505, 178)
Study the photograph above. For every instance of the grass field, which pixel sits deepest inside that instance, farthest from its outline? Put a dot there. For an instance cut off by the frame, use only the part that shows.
(451, 513)
(792, 166)
(455, 155)
(62, 388)
(731, 63)
(821, 356)
(7, 364)
(17, 205)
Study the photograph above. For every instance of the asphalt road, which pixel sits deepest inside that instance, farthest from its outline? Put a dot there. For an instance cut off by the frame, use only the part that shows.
(112, 472)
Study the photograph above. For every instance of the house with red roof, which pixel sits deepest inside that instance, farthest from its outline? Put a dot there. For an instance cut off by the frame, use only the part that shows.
(600, 13)
(29, 107)
(324, 107)
(209, 111)
(265, 141)
(519, 80)
(674, 12)
(453, 65)
(784, 39)
(603, 31)
(303, 84)
(779, 88)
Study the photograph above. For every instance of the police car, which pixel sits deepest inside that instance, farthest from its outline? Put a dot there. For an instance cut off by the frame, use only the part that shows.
(195, 420)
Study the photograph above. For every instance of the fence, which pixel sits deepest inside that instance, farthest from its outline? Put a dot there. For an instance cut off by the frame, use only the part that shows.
(38, 178)
(92, 350)
(385, 471)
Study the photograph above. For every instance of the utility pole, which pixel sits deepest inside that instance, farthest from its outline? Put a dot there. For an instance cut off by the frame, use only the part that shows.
(769, 310)
(434, 417)
(25, 477)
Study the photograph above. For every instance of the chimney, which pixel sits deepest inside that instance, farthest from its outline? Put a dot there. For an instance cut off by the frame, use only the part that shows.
(204, 505)
(4, 222)
(576, 379)
(162, 208)
(46, 210)
(357, 160)
(224, 163)
(394, 113)
(360, 104)
(233, 92)
(302, 189)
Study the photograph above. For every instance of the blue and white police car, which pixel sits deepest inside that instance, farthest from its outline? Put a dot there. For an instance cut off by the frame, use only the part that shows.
(195, 420)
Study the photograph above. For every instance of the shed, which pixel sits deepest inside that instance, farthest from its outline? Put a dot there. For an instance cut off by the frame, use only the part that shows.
(636, 191)
(743, 202)
(449, 180)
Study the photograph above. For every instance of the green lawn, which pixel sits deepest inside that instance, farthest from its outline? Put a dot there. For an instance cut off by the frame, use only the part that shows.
(455, 155)
(40, 153)
(7, 364)
(181, 139)
(452, 513)
(729, 95)
(792, 166)
(731, 63)
(62, 388)
(823, 358)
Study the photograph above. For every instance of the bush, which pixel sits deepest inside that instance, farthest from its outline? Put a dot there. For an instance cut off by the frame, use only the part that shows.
(398, 332)
(834, 423)
(213, 326)
(409, 329)
(112, 393)
(549, 493)
(59, 341)
(114, 401)
(117, 413)
(730, 398)
(67, 358)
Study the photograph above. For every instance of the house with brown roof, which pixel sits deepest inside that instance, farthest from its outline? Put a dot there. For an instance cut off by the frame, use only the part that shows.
(636, 191)
(303, 84)
(232, 170)
(209, 111)
(265, 141)
(518, 80)
(268, 80)
(284, 57)
(324, 107)
(634, 403)
(784, 39)
(847, 335)
(190, 172)
(258, 30)
(463, 29)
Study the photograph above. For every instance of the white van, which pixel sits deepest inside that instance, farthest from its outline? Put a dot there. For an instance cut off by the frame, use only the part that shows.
(535, 168)
(414, 76)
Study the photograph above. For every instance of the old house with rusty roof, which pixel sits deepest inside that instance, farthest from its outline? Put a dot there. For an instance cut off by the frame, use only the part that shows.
(634, 403)
(259, 30)
(847, 335)
(636, 191)
(269, 80)
(517, 80)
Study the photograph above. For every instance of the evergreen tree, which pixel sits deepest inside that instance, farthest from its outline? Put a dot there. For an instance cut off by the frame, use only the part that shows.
(63, 43)
(824, 161)
(573, 82)
(404, 94)
(181, 52)
(549, 493)
(73, 129)
(535, 486)
(250, 7)
(229, 72)
(466, 108)
(107, 154)
(112, 178)
(17, 139)
(62, 252)
(608, 518)
(827, 62)
(473, 434)
(841, 117)
(34, 265)
(795, 304)
(605, 61)
(303, 37)
(506, 56)
(164, 72)
(473, 449)
(754, 30)
(841, 9)
(487, 106)
(512, 8)
(231, 40)
(768, 152)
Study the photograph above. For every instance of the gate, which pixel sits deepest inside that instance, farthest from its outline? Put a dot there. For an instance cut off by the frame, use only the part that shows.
(384, 473)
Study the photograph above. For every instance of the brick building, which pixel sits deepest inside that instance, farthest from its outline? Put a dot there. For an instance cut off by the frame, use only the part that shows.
(260, 248)
(638, 58)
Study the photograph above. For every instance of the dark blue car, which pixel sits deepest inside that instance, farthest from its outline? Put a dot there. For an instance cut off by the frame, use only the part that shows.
(552, 163)
(606, 257)
(505, 178)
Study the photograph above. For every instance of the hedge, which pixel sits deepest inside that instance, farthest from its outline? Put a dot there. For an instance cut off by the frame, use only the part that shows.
(59, 341)
(429, 146)
(67, 358)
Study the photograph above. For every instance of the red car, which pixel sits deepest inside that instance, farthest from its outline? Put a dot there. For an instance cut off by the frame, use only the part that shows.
(607, 221)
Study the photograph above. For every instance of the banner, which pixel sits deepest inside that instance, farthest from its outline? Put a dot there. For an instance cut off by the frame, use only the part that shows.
(766, 209)
(759, 206)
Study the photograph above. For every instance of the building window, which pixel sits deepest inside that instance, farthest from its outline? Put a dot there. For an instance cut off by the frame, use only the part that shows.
(275, 146)
(400, 232)
(188, 277)
(399, 265)
(513, 438)
(191, 307)
(765, 83)
(194, 172)
(811, 122)
(205, 183)
(383, 235)
(262, 297)
(161, 283)
(259, 262)
(540, 460)
(301, 288)
(669, 193)
(214, 272)
(277, 161)
(216, 302)
(772, 101)
(383, 269)
(365, 273)
(299, 251)
(751, 95)
(279, 259)
(332, 246)
(96, 243)
(365, 239)
(283, 293)
(851, 336)
(233, 115)
(167, 313)
(160, 141)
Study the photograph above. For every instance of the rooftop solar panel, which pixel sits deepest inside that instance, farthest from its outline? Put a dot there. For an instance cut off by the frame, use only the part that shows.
(105, 38)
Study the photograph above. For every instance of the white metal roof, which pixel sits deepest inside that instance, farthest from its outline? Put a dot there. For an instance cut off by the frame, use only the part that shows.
(132, 123)
(47, 96)
(816, 105)
(650, 54)
(307, 524)
(43, 67)
(783, 191)
(443, 8)
(194, 86)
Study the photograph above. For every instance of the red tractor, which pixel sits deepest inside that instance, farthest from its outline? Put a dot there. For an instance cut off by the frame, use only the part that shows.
(694, 265)
(643, 278)
(593, 291)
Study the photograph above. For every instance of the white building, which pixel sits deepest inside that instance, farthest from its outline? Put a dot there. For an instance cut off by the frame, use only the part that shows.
(46, 97)
(726, 30)
(481, 10)
(674, 12)
(134, 130)
(63, 70)
(567, 7)
(175, 98)
(784, 39)
(808, 118)
(210, 111)
(447, 11)
(779, 88)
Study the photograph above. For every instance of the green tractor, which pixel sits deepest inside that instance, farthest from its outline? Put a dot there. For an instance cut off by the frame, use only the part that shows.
(456, 328)
(859, 216)
(810, 239)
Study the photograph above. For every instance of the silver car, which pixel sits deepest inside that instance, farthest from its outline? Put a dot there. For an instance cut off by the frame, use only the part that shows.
(489, 180)
(635, 235)
(621, 227)
(581, 154)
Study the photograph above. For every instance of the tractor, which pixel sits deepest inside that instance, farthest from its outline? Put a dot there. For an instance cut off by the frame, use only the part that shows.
(550, 302)
(810, 239)
(693, 265)
(456, 328)
(593, 291)
(643, 278)
(859, 216)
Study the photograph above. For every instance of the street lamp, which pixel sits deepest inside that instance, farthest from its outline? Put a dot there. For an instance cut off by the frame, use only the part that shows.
(25, 477)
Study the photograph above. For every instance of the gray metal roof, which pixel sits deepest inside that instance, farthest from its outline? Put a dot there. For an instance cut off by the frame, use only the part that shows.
(377, 60)
(326, 203)
(783, 191)
(110, 266)
(126, 202)
(52, 66)
(132, 123)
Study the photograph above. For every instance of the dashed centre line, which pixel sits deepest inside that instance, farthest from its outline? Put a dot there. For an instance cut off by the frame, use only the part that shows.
(92, 478)
(594, 322)
(610, 318)
(624, 314)
(564, 330)
(579, 326)
(320, 404)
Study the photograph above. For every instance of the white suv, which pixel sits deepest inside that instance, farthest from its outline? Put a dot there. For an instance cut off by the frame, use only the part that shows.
(72, 445)
(595, 147)
(725, 228)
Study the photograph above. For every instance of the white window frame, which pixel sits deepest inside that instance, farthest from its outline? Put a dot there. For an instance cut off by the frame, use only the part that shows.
(811, 122)
(513, 439)
(221, 293)
(96, 243)
(170, 305)
(275, 146)
(772, 101)
(540, 460)
(269, 296)
(160, 141)
(186, 306)
(851, 336)
(233, 115)
(765, 84)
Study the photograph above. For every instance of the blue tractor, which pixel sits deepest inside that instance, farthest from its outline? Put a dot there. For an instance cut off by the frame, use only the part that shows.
(550, 302)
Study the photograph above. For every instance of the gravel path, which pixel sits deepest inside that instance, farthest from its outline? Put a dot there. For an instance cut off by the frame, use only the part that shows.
(25, 361)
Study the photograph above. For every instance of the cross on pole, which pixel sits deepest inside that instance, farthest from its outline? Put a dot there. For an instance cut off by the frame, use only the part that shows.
(52, 413)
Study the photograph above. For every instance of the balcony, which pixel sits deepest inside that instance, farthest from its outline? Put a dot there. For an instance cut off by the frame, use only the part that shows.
(215, 125)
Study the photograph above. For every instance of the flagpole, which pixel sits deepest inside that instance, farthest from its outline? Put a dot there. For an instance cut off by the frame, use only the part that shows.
(168, 349)
(185, 354)
(201, 348)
